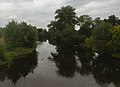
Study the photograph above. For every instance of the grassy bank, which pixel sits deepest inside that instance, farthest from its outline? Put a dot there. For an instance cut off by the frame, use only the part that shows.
(116, 55)
(8, 55)
(12, 54)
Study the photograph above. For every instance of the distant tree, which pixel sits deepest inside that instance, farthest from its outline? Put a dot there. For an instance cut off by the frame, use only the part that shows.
(54, 35)
(97, 21)
(113, 20)
(42, 34)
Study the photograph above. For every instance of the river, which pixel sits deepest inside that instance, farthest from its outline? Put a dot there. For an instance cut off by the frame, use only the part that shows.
(61, 67)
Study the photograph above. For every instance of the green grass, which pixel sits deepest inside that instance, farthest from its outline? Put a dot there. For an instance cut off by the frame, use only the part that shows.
(116, 55)
(12, 54)
(17, 52)
(8, 55)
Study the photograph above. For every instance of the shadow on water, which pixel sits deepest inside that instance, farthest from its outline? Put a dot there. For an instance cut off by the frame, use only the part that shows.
(18, 68)
(71, 62)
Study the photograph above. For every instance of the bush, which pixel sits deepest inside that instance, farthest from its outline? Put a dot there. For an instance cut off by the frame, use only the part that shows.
(89, 42)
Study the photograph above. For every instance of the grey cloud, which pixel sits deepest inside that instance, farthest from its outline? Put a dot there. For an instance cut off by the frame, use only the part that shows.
(40, 12)
(77, 3)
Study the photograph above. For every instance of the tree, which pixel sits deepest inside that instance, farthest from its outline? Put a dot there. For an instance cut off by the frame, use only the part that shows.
(65, 15)
(54, 36)
(68, 35)
(64, 23)
(20, 34)
(115, 41)
(86, 25)
(28, 34)
(42, 34)
(1, 32)
(101, 35)
(97, 21)
(113, 20)
(11, 33)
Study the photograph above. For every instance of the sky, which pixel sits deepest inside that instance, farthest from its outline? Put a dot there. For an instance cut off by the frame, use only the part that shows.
(40, 12)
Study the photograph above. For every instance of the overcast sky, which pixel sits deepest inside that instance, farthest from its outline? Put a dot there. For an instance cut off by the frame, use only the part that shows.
(41, 12)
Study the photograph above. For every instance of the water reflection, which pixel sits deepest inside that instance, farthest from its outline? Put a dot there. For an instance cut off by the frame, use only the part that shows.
(85, 56)
(18, 68)
(71, 62)
(65, 62)
(74, 61)
(106, 70)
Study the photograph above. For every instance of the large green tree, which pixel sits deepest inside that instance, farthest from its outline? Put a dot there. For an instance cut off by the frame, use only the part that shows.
(20, 34)
(64, 23)
(64, 15)
(101, 36)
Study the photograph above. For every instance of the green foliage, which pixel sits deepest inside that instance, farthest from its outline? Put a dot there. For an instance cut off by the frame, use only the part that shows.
(102, 31)
(62, 29)
(20, 34)
(101, 36)
(17, 52)
(89, 42)
(113, 20)
(98, 21)
(115, 41)
(64, 15)
(2, 49)
(86, 25)
(1, 32)
(68, 35)
(12, 54)
(54, 36)
(42, 34)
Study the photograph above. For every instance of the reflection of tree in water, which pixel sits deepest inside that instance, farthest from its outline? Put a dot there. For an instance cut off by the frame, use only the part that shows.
(65, 62)
(18, 68)
(85, 57)
(105, 70)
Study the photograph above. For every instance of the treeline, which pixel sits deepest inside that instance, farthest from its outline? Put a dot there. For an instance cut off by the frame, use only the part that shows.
(68, 29)
(100, 35)
(17, 38)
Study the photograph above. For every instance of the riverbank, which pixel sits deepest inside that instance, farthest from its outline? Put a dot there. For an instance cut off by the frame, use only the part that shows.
(6, 55)
(15, 53)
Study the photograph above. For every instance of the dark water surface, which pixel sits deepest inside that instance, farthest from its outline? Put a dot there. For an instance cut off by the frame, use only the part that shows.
(61, 67)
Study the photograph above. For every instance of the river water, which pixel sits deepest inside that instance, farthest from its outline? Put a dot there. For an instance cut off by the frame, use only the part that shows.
(61, 67)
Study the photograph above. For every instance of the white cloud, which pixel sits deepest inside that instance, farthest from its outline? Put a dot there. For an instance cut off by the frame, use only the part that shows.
(101, 8)
(40, 12)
